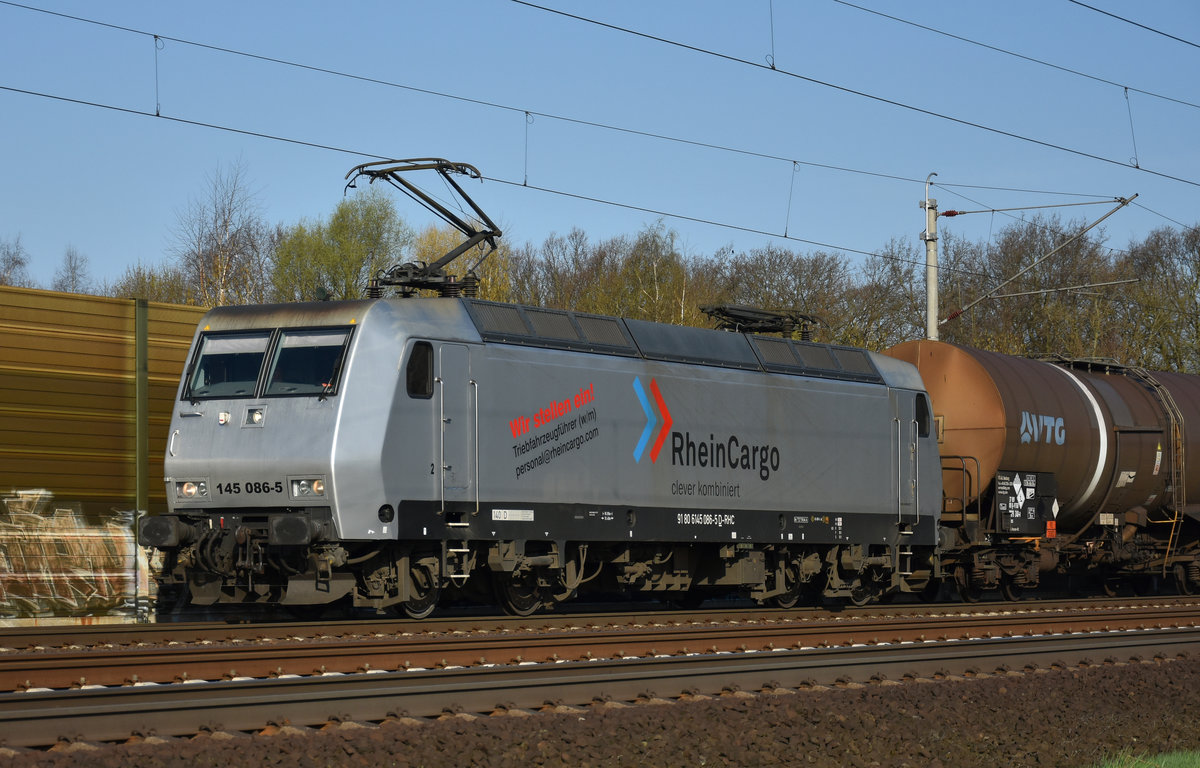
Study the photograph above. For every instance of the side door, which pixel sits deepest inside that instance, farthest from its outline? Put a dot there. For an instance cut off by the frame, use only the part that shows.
(907, 408)
(456, 408)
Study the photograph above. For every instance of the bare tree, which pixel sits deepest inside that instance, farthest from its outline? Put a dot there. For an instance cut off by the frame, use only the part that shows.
(163, 283)
(777, 278)
(222, 243)
(1158, 319)
(72, 275)
(1033, 313)
(13, 263)
(885, 303)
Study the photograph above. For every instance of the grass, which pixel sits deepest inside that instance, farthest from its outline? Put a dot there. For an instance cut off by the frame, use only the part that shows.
(1172, 760)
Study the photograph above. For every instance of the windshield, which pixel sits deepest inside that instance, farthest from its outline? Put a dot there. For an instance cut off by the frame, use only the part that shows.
(307, 362)
(228, 365)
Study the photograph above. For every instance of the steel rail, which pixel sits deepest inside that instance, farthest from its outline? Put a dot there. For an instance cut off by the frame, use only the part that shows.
(116, 714)
(128, 665)
(217, 631)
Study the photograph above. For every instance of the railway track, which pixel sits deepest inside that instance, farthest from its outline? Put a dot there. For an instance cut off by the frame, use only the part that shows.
(251, 677)
(40, 719)
(178, 633)
(131, 655)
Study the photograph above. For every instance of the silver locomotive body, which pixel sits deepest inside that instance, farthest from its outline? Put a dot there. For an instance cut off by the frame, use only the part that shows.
(389, 451)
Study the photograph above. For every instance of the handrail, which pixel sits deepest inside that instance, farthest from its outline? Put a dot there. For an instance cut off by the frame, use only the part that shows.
(967, 484)
(1178, 471)
(475, 397)
(442, 439)
(915, 440)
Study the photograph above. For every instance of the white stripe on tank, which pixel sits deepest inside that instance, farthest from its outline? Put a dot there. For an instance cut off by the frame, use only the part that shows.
(1103, 435)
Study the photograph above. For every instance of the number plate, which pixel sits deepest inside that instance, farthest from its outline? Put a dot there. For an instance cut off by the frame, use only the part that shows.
(250, 487)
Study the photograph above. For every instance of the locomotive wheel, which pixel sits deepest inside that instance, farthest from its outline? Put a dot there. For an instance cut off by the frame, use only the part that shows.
(863, 593)
(426, 590)
(517, 595)
(791, 597)
(788, 599)
(1183, 584)
(966, 590)
(1011, 590)
(421, 608)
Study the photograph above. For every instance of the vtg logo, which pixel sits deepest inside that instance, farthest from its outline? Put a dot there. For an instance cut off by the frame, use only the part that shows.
(651, 420)
(1041, 428)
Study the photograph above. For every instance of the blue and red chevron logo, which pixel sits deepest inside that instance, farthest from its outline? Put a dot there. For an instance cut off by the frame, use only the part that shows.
(651, 420)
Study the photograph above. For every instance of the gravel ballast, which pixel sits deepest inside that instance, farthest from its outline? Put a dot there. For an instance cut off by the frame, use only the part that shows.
(1062, 717)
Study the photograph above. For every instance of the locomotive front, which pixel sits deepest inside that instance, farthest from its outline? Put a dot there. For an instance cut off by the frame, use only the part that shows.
(249, 470)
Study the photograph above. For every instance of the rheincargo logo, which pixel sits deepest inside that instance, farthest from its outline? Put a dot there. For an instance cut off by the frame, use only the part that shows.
(730, 453)
(651, 420)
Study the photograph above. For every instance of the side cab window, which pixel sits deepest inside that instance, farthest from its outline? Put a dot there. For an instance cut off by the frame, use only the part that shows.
(419, 371)
(923, 415)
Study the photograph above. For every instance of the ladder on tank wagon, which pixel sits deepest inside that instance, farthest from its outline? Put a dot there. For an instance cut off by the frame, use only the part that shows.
(1177, 468)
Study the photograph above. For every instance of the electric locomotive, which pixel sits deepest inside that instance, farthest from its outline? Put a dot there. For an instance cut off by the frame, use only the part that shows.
(384, 452)
(387, 452)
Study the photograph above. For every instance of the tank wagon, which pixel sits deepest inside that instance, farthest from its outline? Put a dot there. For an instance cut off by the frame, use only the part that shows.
(1061, 466)
(387, 452)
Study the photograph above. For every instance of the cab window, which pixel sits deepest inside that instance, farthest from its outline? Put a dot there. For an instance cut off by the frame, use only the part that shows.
(307, 362)
(227, 365)
(419, 371)
(922, 415)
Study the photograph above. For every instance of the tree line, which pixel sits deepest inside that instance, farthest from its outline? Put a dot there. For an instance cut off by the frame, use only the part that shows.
(1074, 303)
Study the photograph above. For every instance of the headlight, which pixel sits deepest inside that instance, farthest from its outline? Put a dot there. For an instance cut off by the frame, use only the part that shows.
(190, 490)
(314, 487)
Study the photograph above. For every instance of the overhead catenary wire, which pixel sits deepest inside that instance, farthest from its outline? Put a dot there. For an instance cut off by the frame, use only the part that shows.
(1136, 24)
(548, 190)
(1180, 224)
(530, 114)
(856, 92)
(1031, 59)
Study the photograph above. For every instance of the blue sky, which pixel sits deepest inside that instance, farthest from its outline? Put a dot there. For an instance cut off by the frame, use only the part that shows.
(113, 183)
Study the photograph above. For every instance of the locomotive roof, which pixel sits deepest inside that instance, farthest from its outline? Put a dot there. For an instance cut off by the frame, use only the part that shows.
(601, 334)
(501, 323)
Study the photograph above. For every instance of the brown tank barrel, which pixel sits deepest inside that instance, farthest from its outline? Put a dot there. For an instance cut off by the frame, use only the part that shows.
(1105, 431)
